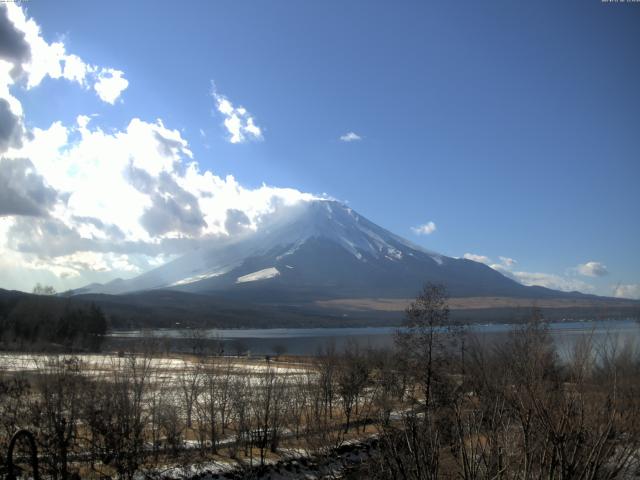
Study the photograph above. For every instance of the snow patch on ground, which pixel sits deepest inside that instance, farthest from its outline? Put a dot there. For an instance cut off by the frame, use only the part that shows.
(263, 274)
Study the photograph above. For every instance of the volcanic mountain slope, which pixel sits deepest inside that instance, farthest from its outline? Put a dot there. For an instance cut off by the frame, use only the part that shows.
(320, 250)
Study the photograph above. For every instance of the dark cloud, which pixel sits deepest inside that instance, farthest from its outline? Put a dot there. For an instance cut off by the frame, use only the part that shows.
(96, 222)
(22, 190)
(14, 49)
(112, 231)
(140, 179)
(236, 222)
(46, 237)
(168, 146)
(11, 128)
(173, 209)
(50, 237)
(13, 46)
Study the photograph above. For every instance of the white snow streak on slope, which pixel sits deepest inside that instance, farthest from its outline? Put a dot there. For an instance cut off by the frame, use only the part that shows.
(259, 275)
(196, 278)
(291, 251)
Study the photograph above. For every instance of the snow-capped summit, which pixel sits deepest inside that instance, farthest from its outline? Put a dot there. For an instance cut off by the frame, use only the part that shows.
(319, 249)
(337, 222)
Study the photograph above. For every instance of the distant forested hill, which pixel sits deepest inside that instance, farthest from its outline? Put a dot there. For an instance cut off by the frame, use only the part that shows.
(34, 322)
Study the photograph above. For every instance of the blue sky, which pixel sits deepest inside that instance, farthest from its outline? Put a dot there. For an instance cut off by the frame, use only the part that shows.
(513, 126)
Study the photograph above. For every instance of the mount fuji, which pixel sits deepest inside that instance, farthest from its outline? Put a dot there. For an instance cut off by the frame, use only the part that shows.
(319, 250)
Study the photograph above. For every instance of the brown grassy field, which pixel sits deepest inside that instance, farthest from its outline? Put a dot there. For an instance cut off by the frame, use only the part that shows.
(472, 303)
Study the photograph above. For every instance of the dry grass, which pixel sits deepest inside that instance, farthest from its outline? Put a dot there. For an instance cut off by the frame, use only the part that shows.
(471, 303)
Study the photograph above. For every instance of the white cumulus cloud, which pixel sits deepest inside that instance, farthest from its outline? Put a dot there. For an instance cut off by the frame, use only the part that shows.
(80, 203)
(350, 137)
(52, 60)
(627, 291)
(425, 229)
(121, 201)
(110, 84)
(550, 280)
(477, 258)
(508, 262)
(592, 269)
(505, 265)
(238, 122)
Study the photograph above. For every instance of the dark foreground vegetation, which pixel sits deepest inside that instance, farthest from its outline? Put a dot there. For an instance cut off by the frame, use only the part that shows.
(441, 405)
(513, 411)
(44, 322)
(174, 309)
(163, 308)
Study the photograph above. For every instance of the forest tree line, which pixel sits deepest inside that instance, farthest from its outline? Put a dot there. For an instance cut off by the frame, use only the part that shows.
(46, 322)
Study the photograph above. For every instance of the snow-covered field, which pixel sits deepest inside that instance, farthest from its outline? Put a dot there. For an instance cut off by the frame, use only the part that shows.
(23, 362)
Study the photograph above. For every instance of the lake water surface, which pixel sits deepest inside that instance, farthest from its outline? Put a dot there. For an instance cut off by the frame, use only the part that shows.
(307, 341)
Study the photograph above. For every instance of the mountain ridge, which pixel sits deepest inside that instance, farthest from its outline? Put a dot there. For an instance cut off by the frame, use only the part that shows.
(321, 249)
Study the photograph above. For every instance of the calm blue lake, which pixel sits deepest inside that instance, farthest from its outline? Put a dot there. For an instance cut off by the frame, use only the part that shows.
(306, 341)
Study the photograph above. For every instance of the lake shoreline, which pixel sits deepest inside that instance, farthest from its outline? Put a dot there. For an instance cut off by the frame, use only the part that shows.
(308, 341)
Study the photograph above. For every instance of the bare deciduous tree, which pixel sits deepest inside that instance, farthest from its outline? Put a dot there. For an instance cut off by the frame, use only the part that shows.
(56, 410)
(428, 331)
